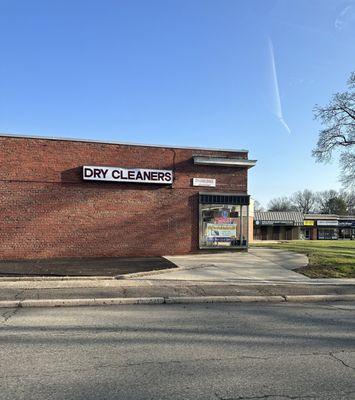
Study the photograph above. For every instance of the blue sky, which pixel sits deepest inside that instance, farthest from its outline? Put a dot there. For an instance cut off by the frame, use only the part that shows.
(229, 74)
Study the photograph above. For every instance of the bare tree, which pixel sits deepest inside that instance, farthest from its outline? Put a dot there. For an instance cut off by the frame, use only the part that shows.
(258, 206)
(347, 162)
(331, 202)
(304, 201)
(349, 198)
(338, 117)
(281, 204)
(324, 202)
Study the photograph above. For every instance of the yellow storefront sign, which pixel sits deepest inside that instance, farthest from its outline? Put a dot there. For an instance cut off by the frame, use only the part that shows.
(308, 223)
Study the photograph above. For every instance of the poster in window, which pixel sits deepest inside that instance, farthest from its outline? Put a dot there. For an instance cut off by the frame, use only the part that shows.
(222, 230)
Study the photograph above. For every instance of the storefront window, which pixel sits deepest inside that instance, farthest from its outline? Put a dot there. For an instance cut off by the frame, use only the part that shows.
(347, 233)
(223, 225)
(327, 233)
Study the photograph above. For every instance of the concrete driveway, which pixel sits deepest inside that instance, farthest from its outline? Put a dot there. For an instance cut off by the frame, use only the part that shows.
(258, 264)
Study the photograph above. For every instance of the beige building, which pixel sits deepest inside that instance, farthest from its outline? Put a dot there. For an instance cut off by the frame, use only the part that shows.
(277, 225)
(293, 225)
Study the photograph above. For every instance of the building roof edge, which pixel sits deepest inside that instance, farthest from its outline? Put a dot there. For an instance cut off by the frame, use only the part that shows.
(54, 138)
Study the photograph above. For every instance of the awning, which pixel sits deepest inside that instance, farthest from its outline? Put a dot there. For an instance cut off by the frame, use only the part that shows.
(224, 161)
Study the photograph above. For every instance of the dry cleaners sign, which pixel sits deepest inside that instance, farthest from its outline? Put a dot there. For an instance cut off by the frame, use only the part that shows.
(137, 175)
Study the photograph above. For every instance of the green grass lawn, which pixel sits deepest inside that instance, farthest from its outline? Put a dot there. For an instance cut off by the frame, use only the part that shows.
(327, 258)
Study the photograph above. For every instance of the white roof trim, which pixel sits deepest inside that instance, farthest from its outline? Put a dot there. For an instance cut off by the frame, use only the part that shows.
(224, 161)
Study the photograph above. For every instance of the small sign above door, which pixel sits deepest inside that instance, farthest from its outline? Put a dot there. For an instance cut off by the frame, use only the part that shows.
(203, 182)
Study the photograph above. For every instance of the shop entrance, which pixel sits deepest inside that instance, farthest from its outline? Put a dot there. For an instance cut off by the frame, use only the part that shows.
(276, 230)
(288, 233)
(305, 233)
(264, 233)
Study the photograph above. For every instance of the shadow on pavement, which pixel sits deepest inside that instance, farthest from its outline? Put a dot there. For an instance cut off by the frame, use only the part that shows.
(83, 266)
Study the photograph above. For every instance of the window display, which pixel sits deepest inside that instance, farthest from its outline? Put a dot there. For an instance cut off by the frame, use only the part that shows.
(220, 226)
(327, 234)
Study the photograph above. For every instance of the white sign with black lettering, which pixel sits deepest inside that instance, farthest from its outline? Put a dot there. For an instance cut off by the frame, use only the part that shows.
(137, 175)
(327, 223)
(204, 182)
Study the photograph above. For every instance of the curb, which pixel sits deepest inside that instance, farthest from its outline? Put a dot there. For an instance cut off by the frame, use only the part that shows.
(319, 298)
(224, 299)
(173, 300)
(81, 302)
(54, 278)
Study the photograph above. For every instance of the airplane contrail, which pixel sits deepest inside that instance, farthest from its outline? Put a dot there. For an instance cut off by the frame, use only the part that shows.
(276, 107)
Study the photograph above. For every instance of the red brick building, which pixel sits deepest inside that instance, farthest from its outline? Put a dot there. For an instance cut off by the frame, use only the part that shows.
(196, 199)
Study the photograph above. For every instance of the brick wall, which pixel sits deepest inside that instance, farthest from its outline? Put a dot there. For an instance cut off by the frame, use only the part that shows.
(47, 211)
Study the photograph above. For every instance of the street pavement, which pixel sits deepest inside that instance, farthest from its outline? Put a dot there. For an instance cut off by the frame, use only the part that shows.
(217, 351)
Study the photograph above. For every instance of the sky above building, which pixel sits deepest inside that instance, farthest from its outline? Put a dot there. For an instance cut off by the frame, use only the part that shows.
(226, 74)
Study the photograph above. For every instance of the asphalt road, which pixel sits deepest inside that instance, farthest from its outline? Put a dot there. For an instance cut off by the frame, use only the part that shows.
(219, 352)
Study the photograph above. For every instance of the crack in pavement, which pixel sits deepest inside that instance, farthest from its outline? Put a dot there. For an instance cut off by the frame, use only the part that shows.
(197, 360)
(341, 361)
(277, 396)
(137, 364)
(7, 315)
(18, 295)
(335, 307)
(266, 396)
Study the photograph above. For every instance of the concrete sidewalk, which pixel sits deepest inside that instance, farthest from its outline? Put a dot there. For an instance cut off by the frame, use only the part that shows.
(256, 264)
(260, 275)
